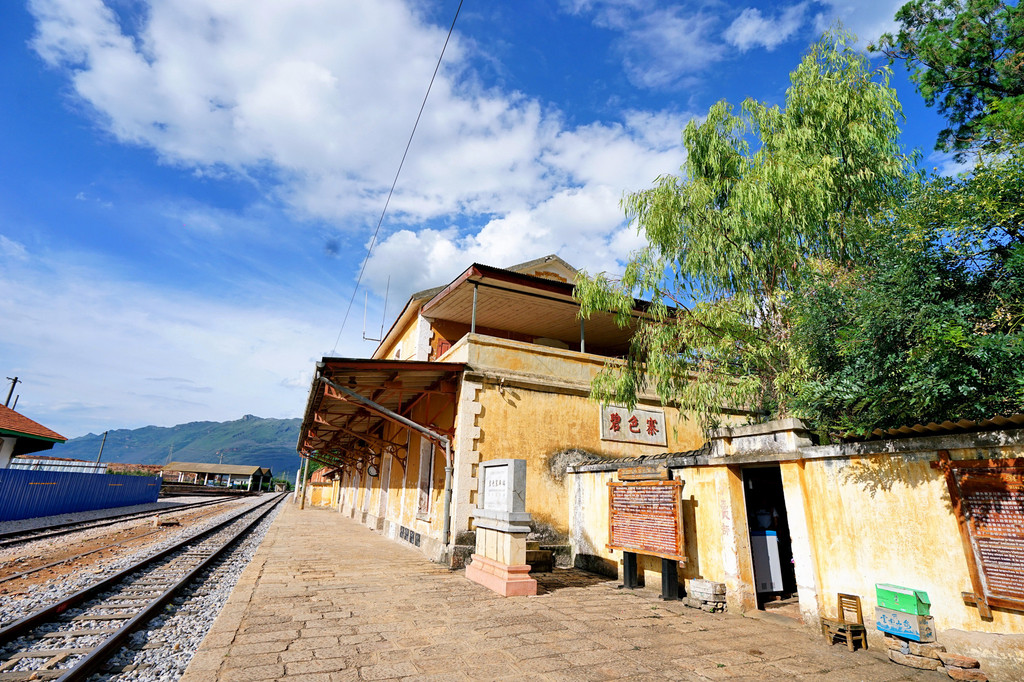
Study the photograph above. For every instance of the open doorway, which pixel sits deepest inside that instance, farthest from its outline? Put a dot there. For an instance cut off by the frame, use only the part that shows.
(771, 547)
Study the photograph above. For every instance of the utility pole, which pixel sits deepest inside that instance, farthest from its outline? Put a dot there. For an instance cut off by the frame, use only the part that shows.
(15, 405)
(102, 443)
(14, 382)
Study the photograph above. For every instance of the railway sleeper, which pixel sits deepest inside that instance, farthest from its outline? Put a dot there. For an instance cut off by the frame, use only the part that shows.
(93, 632)
(147, 596)
(27, 675)
(53, 657)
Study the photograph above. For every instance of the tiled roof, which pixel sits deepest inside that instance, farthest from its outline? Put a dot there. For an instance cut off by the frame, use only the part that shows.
(668, 459)
(998, 422)
(47, 458)
(217, 469)
(325, 475)
(16, 424)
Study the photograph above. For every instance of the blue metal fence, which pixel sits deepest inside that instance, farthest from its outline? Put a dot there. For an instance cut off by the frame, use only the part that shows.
(28, 494)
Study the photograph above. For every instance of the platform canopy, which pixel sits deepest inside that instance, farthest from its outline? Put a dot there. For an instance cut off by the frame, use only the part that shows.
(529, 305)
(351, 400)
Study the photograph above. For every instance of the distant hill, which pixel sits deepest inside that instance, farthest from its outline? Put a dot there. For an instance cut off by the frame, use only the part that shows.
(249, 440)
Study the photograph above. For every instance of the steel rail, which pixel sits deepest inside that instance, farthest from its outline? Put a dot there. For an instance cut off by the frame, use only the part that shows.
(92, 662)
(25, 624)
(15, 576)
(17, 537)
(52, 564)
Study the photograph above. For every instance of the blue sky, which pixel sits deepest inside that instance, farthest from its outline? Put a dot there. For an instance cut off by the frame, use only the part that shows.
(188, 187)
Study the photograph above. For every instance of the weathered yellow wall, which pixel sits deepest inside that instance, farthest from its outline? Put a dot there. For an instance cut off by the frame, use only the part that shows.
(320, 494)
(871, 519)
(536, 404)
(406, 342)
(364, 493)
(702, 523)
(888, 519)
(533, 425)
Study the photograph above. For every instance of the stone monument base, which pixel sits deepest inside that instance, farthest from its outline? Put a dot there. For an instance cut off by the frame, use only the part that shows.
(508, 581)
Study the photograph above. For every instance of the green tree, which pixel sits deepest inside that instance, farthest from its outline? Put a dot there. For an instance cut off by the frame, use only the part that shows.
(930, 325)
(966, 56)
(762, 194)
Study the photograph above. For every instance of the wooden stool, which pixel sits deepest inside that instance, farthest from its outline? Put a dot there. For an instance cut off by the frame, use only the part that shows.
(849, 626)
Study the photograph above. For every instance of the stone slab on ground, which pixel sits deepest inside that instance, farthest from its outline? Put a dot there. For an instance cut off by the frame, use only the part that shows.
(957, 660)
(328, 599)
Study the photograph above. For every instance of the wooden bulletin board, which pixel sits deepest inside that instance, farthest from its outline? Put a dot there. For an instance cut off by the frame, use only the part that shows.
(646, 517)
(988, 500)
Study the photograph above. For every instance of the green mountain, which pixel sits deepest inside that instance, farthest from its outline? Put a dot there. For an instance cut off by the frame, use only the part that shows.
(249, 440)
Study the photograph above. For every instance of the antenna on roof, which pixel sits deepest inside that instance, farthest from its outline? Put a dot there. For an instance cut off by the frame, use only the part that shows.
(383, 317)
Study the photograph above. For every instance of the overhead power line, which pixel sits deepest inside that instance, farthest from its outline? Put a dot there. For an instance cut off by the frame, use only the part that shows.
(408, 144)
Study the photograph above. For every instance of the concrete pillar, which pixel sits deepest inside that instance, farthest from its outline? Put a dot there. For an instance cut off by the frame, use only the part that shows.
(736, 561)
(794, 489)
(6, 451)
(305, 480)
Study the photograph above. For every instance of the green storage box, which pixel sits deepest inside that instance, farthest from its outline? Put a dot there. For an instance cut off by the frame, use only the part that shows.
(903, 599)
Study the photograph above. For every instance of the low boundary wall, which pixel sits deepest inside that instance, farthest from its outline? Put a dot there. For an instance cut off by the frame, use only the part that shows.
(30, 494)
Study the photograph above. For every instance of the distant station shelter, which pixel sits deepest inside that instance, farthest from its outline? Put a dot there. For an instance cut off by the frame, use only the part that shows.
(227, 475)
(19, 435)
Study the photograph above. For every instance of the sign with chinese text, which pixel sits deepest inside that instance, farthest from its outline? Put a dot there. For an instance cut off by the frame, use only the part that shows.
(645, 473)
(646, 517)
(907, 625)
(496, 485)
(646, 427)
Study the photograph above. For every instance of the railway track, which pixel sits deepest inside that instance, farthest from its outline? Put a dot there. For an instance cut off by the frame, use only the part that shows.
(74, 551)
(71, 639)
(13, 538)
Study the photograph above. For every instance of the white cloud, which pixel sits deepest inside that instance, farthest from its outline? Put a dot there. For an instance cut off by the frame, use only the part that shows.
(868, 19)
(668, 46)
(314, 102)
(96, 351)
(12, 249)
(945, 164)
(753, 29)
(581, 221)
(320, 95)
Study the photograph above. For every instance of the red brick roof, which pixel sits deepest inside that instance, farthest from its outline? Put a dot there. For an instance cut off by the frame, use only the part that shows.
(20, 425)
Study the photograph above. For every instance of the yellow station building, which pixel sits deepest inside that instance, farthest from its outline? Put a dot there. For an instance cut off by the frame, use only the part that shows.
(497, 364)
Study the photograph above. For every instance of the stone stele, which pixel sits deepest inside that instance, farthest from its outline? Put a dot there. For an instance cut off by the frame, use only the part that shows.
(502, 525)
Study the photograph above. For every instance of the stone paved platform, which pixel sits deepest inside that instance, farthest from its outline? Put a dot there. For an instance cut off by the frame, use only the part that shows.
(328, 599)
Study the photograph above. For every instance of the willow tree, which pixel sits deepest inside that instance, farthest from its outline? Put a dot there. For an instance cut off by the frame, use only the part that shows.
(764, 193)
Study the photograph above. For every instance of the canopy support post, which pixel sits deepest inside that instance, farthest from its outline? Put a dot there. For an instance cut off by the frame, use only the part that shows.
(472, 322)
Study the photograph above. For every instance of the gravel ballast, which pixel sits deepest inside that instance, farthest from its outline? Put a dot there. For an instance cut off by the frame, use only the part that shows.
(164, 650)
(16, 607)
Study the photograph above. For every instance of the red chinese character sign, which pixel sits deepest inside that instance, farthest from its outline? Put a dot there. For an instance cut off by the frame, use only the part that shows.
(646, 427)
